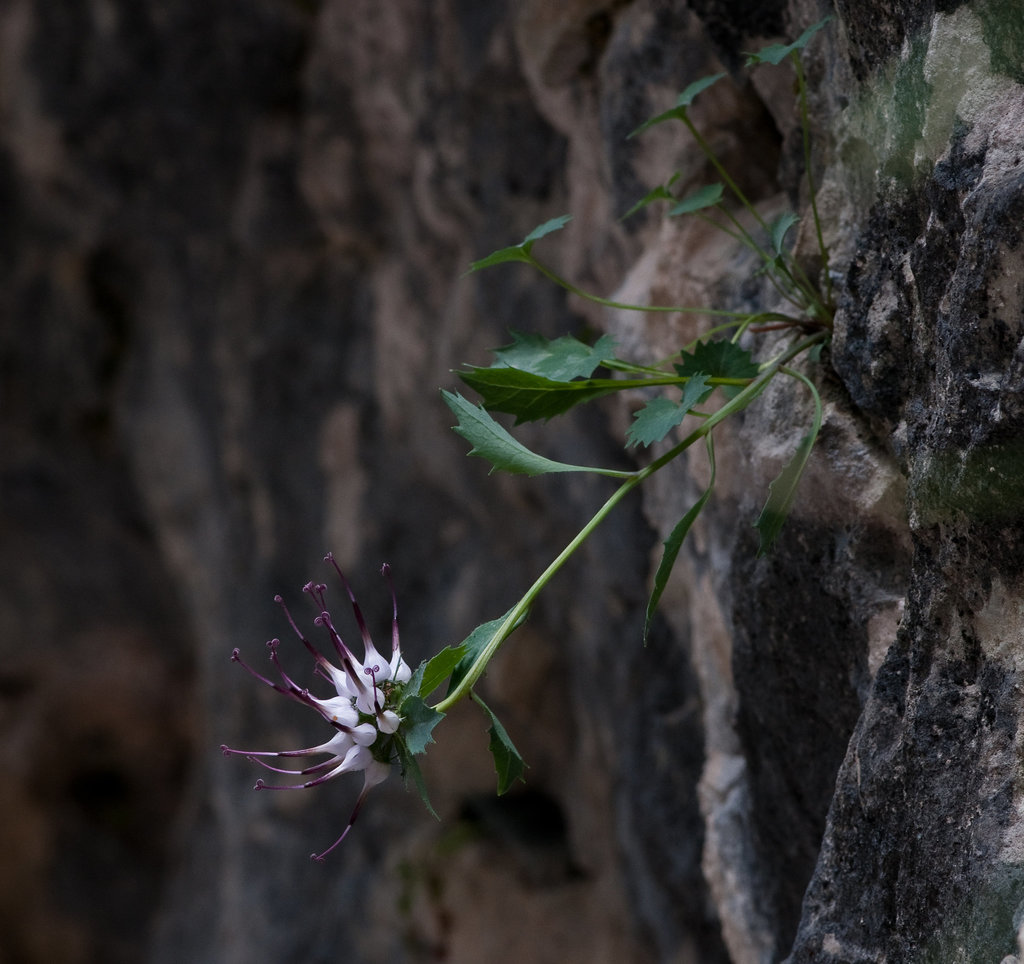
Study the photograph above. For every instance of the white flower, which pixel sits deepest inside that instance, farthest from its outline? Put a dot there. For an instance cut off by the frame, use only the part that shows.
(361, 711)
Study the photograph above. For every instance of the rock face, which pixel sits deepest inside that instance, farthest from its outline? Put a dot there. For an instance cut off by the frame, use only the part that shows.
(233, 241)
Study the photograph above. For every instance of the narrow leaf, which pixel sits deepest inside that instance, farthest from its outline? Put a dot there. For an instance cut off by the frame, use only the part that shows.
(684, 100)
(698, 86)
(660, 193)
(674, 543)
(781, 493)
(411, 771)
(438, 669)
(492, 442)
(782, 490)
(508, 764)
(776, 53)
(706, 197)
(779, 227)
(521, 251)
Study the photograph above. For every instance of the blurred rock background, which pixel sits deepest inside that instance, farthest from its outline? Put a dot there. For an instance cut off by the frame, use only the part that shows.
(232, 246)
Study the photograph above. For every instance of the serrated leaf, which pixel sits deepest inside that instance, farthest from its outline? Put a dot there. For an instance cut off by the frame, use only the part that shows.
(660, 415)
(412, 686)
(781, 493)
(706, 197)
(418, 721)
(684, 100)
(501, 256)
(530, 397)
(508, 764)
(719, 359)
(475, 643)
(521, 251)
(779, 227)
(560, 359)
(411, 771)
(776, 53)
(542, 230)
(437, 669)
(654, 421)
(697, 87)
(491, 441)
(659, 193)
(674, 543)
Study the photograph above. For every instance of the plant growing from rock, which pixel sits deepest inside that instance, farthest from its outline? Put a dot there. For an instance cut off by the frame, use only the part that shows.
(380, 713)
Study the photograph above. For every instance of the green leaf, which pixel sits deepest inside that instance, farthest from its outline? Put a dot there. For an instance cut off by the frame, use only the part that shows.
(490, 441)
(776, 53)
(561, 359)
(659, 193)
(719, 359)
(779, 227)
(521, 251)
(781, 493)
(660, 415)
(411, 771)
(782, 490)
(474, 644)
(674, 543)
(508, 763)
(684, 100)
(706, 197)
(530, 397)
(697, 87)
(418, 721)
(654, 421)
(542, 230)
(438, 669)
(413, 685)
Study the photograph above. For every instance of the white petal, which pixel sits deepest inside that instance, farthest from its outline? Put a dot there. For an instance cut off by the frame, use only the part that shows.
(364, 734)
(339, 678)
(388, 721)
(376, 772)
(368, 701)
(338, 709)
(358, 758)
(374, 661)
(400, 671)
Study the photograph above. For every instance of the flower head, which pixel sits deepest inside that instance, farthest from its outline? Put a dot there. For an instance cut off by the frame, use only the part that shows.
(362, 710)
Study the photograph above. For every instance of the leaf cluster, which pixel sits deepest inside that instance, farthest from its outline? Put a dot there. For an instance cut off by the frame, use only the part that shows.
(535, 379)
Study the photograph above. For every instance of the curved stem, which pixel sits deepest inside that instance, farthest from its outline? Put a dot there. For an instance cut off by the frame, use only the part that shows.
(515, 615)
(801, 82)
(608, 303)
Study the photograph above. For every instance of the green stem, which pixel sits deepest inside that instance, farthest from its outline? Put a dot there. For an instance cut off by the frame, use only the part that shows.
(607, 303)
(722, 172)
(518, 612)
(806, 125)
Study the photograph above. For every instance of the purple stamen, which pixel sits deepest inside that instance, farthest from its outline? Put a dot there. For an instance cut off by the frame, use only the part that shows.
(360, 714)
(367, 642)
(319, 767)
(386, 572)
(236, 657)
(348, 661)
